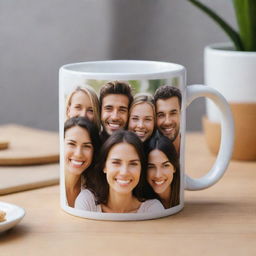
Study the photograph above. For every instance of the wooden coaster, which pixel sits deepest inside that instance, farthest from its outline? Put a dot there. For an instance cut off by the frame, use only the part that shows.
(19, 178)
(3, 144)
(29, 146)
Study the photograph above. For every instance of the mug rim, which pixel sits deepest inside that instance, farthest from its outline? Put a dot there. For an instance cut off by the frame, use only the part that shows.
(123, 69)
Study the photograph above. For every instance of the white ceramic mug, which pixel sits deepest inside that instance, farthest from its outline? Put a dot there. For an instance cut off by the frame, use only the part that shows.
(114, 176)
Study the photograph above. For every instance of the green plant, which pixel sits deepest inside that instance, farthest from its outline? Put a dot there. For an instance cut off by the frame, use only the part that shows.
(245, 10)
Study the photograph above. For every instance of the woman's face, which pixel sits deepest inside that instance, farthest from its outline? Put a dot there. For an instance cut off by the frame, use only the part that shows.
(160, 171)
(78, 150)
(122, 168)
(80, 105)
(141, 120)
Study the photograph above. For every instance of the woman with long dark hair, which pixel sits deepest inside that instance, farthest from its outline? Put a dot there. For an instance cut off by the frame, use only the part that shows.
(81, 142)
(163, 171)
(119, 178)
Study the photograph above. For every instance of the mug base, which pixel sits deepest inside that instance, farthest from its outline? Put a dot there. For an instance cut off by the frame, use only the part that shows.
(122, 216)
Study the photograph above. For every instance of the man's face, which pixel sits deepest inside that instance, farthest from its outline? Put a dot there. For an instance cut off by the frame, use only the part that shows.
(114, 112)
(168, 117)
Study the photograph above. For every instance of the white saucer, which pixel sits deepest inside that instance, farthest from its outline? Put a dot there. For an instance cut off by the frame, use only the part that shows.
(14, 215)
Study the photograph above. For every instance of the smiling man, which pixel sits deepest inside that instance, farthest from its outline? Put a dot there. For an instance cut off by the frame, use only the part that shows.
(168, 109)
(115, 100)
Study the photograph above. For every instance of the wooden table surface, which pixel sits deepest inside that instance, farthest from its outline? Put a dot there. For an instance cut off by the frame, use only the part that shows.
(220, 220)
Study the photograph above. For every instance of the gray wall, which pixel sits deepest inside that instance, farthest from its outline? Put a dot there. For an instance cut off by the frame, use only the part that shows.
(37, 37)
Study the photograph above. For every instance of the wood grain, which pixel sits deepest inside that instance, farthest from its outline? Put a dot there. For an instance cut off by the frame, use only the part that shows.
(3, 144)
(22, 178)
(28, 146)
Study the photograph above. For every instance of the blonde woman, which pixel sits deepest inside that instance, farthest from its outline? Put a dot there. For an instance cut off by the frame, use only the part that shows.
(142, 118)
(83, 101)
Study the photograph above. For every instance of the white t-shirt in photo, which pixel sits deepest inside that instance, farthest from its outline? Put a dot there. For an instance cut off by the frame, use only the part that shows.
(86, 201)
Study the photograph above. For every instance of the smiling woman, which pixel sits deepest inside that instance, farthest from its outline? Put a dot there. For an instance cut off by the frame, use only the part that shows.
(163, 172)
(83, 101)
(81, 142)
(142, 117)
(119, 178)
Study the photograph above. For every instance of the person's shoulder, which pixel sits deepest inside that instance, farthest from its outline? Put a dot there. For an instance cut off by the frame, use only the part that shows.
(152, 205)
(86, 193)
(85, 200)
(152, 202)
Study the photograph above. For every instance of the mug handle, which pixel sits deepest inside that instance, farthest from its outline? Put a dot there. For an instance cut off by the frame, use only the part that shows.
(227, 137)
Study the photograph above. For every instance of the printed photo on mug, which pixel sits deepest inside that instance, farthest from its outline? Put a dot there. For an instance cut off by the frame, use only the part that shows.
(121, 145)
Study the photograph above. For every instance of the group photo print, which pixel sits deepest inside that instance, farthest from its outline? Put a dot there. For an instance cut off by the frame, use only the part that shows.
(121, 145)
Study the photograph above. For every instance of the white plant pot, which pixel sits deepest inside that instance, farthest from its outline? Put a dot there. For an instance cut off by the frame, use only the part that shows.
(233, 74)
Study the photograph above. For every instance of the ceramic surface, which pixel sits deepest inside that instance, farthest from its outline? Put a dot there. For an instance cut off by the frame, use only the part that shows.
(14, 214)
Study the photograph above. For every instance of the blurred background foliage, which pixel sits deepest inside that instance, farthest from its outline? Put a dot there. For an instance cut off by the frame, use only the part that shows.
(138, 86)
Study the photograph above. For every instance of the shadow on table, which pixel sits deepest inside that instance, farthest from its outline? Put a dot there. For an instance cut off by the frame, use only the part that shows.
(13, 234)
(206, 209)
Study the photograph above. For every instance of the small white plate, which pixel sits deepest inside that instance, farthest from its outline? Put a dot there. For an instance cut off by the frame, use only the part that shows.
(14, 215)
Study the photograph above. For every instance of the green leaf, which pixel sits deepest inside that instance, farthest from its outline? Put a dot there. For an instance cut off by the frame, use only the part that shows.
(246, 19)
(234, 36)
